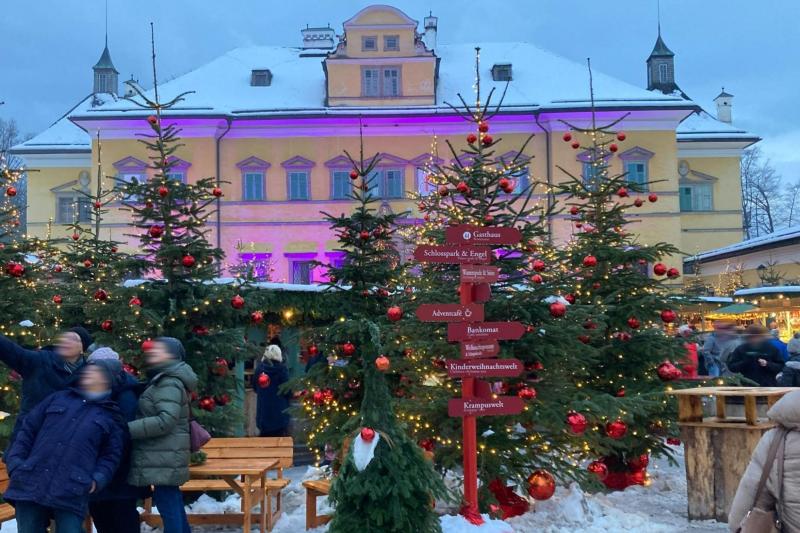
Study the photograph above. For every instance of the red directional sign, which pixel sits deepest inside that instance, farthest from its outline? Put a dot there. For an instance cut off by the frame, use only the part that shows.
(501, 405)
(479, 274)
(480, 348)
(453, 254)
(465, 234)
(462, 331)
(484, 368)
(450, 313)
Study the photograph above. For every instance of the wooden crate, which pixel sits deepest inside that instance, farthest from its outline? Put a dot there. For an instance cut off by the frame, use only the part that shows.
(718, 448)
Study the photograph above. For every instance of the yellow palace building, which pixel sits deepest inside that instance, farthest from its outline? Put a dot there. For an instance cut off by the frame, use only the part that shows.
(273, 122)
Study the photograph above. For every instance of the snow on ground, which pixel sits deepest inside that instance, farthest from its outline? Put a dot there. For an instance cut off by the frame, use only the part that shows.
(659, 508)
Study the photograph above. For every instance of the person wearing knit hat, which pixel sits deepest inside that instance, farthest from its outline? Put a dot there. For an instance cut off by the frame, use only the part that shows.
(45, 371)
(271, 404)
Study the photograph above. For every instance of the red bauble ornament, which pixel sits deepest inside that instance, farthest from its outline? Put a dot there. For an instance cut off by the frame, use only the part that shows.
(427, 444)
(394, 313)
(621, 393)
(557, 309)
(673, 273)
(659, 269)
(57, 269)
(263, 381)
(348, 349)
(207, 403)
(216, 191)
(668, 372)
(589, 325)
(220, 367)
(87, 263)
(57, 299)
(222, 399)
(487, 140)
(577, 422)
(200, 330)
(633, 322)
(613, 147)
(672, 441)
(147, 345)
(75, 236)
(188, 261)
(585, 339)
(599, 469)
(589, 261)
(616, 429)
(541, 485)
(135, 301)
(574, 210)
(367, 434)
(538, 265)
(536, 278)
(488, 219)
(15, 270)
(318, 397)
(98, 205)
(575, 145)
(163, 191)
(156, 231)
(256, 317)
(639, 462)
(668, 316)
(130, 369)
(652, 197)
(107, 325)
(313, 350)
(11, 191)
(527, 393)
(504, 183)
(622, 336)
(596, 285)
(462, 187)
(471, 138)
(100, 295)
(622, 192)
(443, 191)
(636, 477)
(364, 235)
(237, 302)
(353, 175)
(567, 137)
(570, 298)
(153, 120)
(382, 363)
(621, 136)
(638, 202)
(483, 127)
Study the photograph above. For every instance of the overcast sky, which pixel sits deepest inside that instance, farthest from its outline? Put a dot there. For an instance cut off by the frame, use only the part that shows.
(47, 47)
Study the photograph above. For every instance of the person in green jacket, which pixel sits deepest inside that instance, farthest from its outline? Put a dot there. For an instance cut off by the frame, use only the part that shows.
(160, 433)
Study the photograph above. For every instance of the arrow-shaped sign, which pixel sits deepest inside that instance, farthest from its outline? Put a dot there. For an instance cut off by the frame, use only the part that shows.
(479, 274)
(461, 331)
(479, 348)
(465, 234)
(500, 405)
(450, 313)
(475, 255)
(484, 368)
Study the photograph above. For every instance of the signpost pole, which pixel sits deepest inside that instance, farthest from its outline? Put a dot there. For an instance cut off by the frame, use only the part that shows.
(469, 434)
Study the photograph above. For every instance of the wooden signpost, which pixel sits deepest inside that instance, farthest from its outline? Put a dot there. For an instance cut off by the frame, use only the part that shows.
(471, 247)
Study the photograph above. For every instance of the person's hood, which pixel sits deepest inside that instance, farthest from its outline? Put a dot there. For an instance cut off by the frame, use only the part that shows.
(106, 402)
(786, 411)
(182, 371)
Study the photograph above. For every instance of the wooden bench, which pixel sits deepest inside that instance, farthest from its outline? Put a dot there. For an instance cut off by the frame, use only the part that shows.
(232, 454)
(314, 489)
(6, 511)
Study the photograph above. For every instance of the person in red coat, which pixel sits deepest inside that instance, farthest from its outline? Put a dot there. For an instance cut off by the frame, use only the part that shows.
(689, 364)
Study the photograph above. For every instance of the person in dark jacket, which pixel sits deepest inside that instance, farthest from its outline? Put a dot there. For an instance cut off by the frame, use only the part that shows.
(757, 359)
(160, 433)
(113, 509)
(67, 448)
(269, 375)
(45, 371)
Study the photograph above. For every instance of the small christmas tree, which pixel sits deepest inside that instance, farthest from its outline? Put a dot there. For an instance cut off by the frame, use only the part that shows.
(730, 280)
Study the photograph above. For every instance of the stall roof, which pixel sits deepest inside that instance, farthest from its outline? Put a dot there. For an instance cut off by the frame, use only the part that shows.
(734, 309)
(780, 289)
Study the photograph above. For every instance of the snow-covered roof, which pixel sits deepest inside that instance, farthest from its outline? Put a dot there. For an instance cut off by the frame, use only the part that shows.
(781, 289)
(773, 239)
(541, 80)
(62, 136)
(700, 125)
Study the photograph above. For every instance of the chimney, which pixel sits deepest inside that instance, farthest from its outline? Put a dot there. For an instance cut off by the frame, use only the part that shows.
(318, 38)
(724, 106)
(129, 92)
(431, 24)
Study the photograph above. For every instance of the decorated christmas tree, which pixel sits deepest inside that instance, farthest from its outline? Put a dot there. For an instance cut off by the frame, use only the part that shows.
(636, 358)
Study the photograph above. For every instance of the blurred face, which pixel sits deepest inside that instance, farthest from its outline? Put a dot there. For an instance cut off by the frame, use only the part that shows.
(157, 355)
(69, 346)
(94, 380)
(753, 340)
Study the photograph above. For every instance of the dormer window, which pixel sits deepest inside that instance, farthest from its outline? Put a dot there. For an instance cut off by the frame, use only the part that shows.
(391, 43)
(501, 72)
(261, 78)
(369, 43)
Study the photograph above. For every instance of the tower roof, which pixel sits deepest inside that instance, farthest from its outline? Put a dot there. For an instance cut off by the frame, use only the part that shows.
(660, 49)
(105, 61)
(723, 94)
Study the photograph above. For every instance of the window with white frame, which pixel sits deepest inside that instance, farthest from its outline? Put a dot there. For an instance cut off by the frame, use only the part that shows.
(177, 175)
(380, 81)
(71, 208)
(253, 186)
(369, 43)
(125, 178)
(391, 43)
(298, 185)
(424, 185)
(636, 173)
(341, 187)
(301, 272)
(696, 196)
(386, 183)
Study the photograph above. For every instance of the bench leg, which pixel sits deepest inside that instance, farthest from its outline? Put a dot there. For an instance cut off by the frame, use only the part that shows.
(311, 508)
(262, 517)
(247, 503)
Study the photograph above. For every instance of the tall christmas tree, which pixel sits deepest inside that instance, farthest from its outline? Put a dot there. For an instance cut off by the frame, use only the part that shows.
(636, 358)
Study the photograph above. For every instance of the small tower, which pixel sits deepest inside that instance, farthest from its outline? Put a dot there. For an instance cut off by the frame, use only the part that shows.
(661, 68)
(431, 25)
(106, 77)
(724, 103)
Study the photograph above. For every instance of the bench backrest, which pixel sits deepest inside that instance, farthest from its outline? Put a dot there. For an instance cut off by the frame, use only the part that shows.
(3, 477)
(280, 448)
